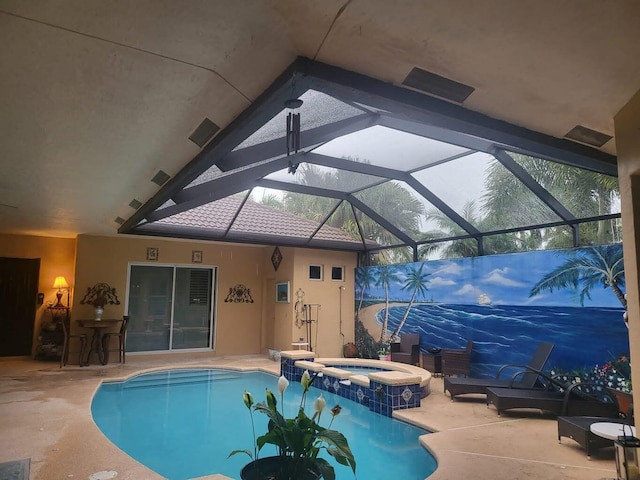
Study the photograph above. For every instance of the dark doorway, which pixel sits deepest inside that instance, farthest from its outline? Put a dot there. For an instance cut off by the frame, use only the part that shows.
(18, 294)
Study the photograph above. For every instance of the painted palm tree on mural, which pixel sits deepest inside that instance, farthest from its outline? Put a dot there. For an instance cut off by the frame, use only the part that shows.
(364, 280)
(587, 268)
(387, 276)
(417, 281)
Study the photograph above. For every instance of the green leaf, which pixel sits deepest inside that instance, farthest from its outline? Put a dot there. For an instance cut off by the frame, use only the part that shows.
(326, 469)
(241, 451)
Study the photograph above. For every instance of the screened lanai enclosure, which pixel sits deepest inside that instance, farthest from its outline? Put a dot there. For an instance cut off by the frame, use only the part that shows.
(328, 158)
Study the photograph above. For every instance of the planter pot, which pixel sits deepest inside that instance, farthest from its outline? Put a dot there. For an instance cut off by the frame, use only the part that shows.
(273, 468)
(625, 400)
(382, 357)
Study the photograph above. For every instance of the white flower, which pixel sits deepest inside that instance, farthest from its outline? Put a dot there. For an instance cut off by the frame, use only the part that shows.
(305, 380)
(319, 404)
(283, 383)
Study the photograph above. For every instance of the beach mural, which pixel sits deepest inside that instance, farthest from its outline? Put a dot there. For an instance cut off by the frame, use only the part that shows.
(505, 304)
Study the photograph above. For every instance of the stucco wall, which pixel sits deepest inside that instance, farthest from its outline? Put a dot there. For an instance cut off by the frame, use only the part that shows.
(627, 123)
(241, 328)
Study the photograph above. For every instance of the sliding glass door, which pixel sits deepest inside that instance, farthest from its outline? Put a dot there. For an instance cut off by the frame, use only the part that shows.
(170, 308)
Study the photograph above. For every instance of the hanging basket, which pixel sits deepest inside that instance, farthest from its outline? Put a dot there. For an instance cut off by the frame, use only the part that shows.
(274, 468)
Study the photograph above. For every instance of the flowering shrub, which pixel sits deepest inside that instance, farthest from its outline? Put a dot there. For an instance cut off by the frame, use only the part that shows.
(616, 374)
(299, 440)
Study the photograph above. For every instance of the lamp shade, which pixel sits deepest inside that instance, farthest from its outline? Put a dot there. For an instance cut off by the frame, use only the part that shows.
(60, 282)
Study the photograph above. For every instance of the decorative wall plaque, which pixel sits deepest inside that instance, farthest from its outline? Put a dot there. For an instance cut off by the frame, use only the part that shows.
(239, 294)
(276, 258)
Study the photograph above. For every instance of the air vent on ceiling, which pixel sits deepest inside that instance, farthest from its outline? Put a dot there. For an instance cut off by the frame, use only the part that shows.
(160, 178)
(436, 85)
(588, 136)
(135, 204)
(119, 220)
(205, 131)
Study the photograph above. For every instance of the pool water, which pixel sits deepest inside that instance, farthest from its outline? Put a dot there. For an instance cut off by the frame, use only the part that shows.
(183, 424)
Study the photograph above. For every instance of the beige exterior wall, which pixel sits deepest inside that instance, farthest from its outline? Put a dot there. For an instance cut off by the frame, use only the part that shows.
(241, 328)
(627, 125)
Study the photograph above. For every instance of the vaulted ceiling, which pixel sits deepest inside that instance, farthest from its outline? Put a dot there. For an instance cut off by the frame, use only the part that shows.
(100, 97)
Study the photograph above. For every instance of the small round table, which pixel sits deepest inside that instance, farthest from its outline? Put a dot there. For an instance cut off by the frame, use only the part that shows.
(612, 430)
(300, 344)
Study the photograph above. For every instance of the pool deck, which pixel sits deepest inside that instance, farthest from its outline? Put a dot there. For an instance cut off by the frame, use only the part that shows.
(45, 416)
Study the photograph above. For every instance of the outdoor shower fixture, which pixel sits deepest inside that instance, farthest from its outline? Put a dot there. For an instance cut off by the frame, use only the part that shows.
(308, 315)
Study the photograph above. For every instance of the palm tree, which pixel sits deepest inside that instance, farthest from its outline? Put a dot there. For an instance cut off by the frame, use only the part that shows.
(591, 194)
(598, 265)
(364, 279)
(386, 277)
(389, 199)
(417, 281)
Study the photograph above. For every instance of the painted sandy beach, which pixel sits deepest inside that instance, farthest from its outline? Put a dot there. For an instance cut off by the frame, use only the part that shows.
(368, 318)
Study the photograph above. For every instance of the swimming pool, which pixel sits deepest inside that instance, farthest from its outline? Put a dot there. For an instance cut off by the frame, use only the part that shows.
(183, 424)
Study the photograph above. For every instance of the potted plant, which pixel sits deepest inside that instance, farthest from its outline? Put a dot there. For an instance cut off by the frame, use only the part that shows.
(99, 295)
(299, 440)
(384, 351)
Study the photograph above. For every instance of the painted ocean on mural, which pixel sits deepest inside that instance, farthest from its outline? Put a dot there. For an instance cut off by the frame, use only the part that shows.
(506, 304)
(509, 334)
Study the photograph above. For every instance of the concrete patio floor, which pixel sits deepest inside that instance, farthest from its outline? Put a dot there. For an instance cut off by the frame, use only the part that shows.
(45, 416)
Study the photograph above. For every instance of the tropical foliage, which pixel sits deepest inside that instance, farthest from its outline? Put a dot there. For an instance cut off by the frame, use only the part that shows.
(506, 204)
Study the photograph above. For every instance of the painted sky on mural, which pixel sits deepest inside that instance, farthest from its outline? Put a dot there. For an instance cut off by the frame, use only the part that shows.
(504, 279)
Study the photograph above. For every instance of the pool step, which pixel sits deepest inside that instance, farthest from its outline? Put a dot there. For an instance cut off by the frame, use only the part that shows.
(183, 377)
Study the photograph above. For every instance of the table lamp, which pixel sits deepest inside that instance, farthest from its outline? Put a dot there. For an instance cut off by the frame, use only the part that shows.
(59, 283)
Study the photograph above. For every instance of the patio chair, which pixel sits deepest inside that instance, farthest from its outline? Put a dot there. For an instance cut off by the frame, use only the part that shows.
(456, 362)
(579, 429)
(66, 342)
(407, 350)
(560, 399)
(525, 376)
(120, 335)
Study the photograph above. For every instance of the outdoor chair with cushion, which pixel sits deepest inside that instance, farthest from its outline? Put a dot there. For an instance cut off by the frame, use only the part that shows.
(525, 376)
(456, 362)
(559, 398)
(407, 350)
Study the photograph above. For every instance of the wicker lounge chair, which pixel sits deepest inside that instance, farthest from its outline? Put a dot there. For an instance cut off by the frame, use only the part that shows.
(579, 429)
(576, 399)
(525, 376)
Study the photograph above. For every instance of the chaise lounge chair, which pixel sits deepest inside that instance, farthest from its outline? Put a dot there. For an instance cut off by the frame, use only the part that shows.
(575, 399)
(579, 429)
(526, 376)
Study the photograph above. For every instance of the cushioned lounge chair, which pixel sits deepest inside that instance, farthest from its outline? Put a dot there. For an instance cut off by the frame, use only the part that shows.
(525, 376)
(576, 399)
